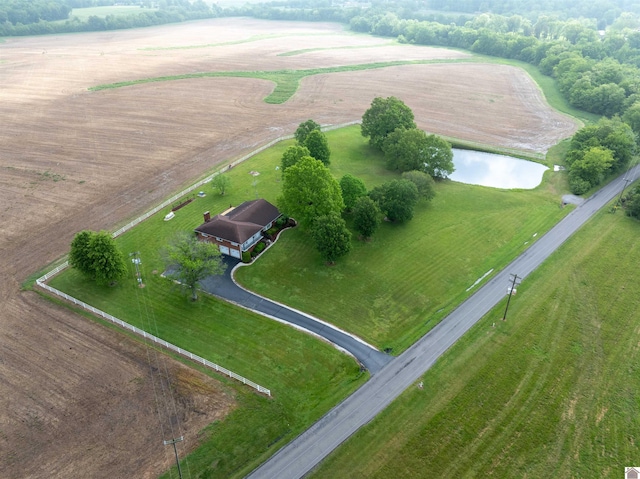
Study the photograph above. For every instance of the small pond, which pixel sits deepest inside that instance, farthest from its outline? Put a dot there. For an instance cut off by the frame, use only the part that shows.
(498, 171)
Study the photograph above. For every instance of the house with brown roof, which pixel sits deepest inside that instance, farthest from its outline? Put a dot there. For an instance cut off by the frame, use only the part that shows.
(238, 229)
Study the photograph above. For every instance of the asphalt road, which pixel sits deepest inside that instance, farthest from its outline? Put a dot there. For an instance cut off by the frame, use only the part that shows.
(301, 455)
(226, 288)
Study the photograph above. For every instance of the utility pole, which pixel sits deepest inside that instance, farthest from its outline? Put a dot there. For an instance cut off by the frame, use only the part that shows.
(515, 281)
(626, 182)
(175, 450)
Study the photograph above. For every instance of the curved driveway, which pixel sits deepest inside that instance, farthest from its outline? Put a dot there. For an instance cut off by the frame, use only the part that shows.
(225, 287)
(307, 450)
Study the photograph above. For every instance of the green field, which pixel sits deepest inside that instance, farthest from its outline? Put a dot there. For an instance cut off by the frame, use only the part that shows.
(552, 392)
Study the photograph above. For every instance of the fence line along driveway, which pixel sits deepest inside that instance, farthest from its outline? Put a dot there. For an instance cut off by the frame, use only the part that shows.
(300, 456)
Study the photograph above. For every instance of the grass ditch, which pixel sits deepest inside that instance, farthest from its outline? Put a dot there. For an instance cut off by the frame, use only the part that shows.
(549, 393)
(287, 81)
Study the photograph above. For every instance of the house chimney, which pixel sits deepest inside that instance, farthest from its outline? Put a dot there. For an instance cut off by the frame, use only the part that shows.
(207, 216)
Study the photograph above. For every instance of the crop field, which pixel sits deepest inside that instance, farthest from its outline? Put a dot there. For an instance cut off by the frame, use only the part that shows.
(74, 159)
(551, 392)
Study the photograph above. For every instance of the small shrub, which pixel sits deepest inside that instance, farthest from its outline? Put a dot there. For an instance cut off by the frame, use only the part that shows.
(246, 257)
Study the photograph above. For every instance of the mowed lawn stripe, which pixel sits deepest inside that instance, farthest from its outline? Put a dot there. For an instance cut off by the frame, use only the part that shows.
(552, 392)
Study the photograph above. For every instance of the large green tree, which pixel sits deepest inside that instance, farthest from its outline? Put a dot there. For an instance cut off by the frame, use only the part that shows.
(189, 261)
(221, 183)
(589, 170)
(318, 146)
(352, 188)
(384, 116)
(304, 129)
(396, 199)
(413, 149)
(331, 236)
(632, 118)
(96, 255)
(423, 181)
(309, 191)
(291, 156)
(366, 216)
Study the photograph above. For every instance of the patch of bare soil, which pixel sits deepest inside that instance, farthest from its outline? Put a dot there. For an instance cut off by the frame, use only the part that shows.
(78, 399)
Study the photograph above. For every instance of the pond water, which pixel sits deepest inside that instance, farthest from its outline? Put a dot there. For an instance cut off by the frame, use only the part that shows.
(498, 171)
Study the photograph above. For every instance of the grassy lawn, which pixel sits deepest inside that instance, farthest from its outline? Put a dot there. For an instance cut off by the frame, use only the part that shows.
(390, 291)
(394, 288)
(550, 393)
(306, 376)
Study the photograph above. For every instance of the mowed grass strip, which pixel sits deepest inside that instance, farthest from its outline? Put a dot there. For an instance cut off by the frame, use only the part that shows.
(393, 289)
(287, 81)
(552, 392)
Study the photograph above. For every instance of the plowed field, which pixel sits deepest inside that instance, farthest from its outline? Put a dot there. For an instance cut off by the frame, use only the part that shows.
(78, 399)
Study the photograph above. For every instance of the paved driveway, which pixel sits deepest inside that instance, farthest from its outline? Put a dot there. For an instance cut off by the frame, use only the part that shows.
(225, 287)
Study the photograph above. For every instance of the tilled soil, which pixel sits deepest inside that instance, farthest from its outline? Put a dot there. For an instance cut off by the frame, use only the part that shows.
(81, 400)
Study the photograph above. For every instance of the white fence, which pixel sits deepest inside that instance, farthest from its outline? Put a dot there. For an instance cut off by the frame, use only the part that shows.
(151, 337)
(42, 281)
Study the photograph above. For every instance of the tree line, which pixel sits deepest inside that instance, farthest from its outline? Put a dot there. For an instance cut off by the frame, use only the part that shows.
(39, 17)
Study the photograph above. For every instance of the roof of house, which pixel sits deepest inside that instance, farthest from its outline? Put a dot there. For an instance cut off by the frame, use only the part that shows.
(242, 222)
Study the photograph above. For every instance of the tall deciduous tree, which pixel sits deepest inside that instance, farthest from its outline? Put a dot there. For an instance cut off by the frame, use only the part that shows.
(413, 149)
(304, 129)
(189, 261)
(331, 236)
(97, 256)
(221, 183)
(632, 117)
(366, 216)
(396, 199)
(309, 191)
(423, 181)
(384, 116)
(291, 156)
(352, 188)
(318, 146)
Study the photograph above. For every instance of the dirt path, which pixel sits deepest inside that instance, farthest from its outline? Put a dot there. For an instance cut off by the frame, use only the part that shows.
(70, 160)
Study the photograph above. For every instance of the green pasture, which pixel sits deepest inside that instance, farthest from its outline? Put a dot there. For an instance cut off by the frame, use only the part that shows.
(394, 288)
(552, 392)
(120, 10)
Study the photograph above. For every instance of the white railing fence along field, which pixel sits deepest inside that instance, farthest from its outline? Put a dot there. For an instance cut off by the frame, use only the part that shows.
(153, 338)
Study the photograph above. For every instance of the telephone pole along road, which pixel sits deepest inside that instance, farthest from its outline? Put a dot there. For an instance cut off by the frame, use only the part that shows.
(307, 450)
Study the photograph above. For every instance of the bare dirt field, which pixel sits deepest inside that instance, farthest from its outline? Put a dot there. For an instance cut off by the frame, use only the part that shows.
(78, 399)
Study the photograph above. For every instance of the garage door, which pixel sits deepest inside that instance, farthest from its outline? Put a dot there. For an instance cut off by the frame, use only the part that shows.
(234, 252)
(224, 249)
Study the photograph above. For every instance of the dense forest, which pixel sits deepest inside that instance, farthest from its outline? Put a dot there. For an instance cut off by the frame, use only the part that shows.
(591, 48)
